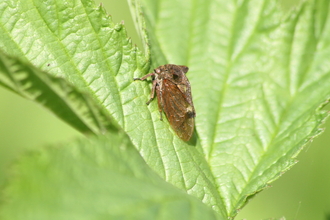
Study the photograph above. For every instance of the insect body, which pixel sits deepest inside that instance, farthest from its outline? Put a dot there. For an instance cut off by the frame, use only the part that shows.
(174, 97)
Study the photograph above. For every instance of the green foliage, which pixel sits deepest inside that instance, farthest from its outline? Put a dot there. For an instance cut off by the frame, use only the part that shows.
(98, 178)
(258, 76)
(76, 107)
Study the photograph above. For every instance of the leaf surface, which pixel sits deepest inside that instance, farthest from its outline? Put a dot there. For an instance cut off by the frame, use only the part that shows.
(258, 80)
(259, 77)
(97, 178)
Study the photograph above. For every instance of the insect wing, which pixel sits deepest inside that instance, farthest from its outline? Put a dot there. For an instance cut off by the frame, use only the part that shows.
(178, 111)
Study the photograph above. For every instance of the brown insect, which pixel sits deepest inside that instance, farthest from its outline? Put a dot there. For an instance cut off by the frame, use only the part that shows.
(174, 98)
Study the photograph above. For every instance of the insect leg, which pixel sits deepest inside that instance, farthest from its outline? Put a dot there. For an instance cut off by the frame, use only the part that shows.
(161, 115)
(160, 106)
(152, 95)
(160, 101)
(144, 77)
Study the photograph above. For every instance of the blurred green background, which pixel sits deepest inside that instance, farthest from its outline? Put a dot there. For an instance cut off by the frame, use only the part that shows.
(302, 193)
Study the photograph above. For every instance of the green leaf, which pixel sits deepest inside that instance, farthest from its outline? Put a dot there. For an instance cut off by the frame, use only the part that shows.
(77, 108)
(96, 178)
(258, 79)
(76, 41)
